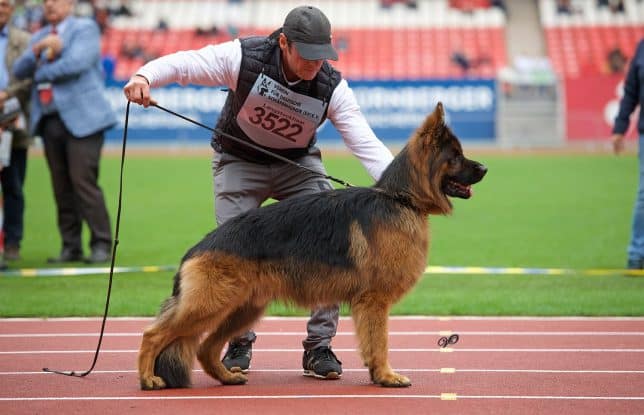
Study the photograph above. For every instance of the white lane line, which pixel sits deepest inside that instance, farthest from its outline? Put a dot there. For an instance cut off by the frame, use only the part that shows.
(347, 370)
(297, 397)
(351, 333)
(396, 350)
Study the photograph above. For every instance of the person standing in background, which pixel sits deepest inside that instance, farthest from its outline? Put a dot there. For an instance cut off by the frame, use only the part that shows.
(13, 42)
(70, 111)
(633, 96)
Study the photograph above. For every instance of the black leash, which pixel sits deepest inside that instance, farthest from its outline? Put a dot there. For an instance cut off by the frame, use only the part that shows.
(253, 146)
(443, 341)
(116, 242)
(118, 216)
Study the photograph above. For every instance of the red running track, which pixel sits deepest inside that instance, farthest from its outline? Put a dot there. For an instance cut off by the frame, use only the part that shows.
(499, 366)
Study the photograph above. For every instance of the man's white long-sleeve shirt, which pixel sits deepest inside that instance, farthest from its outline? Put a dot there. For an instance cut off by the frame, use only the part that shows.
(218, 65)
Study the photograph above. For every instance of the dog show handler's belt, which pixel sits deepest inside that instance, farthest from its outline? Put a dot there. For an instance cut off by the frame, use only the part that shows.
(273, 116)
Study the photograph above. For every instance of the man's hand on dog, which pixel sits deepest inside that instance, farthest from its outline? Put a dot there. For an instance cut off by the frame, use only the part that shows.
(137, 90)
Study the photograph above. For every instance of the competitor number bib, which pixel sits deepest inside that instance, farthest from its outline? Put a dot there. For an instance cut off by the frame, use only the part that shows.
(274, 116)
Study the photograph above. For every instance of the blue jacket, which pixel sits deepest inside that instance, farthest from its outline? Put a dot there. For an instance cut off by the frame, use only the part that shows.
(633, 93)
(76, 76)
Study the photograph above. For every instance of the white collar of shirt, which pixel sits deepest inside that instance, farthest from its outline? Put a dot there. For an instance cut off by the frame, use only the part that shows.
(289, 83)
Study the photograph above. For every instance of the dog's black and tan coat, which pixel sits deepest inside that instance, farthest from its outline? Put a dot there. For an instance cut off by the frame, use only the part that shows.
(366, 247)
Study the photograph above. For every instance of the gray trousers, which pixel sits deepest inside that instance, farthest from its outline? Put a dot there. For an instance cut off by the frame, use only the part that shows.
(241, 185)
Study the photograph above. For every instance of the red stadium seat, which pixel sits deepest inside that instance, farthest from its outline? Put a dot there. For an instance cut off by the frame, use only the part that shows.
(575, 51)
(365, 53)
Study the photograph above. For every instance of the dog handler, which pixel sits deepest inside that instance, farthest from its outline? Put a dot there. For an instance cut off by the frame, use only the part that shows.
(281, 89)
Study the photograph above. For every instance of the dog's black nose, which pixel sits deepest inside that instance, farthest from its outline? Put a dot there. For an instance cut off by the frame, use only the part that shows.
(480, 170)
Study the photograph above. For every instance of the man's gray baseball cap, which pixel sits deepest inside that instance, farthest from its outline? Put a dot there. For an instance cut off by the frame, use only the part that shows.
(309, 29)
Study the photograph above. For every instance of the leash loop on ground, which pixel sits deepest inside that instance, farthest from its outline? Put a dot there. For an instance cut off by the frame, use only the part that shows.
(446, 341)
(114, 245)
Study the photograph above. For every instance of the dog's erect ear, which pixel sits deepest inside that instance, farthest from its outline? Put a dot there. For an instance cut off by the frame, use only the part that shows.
(439, 115)
(432, 126)
(434, 120)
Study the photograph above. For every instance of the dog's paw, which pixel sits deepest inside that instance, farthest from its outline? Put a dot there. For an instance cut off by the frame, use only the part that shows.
(236, 378)
(152, 383)
(393, 380)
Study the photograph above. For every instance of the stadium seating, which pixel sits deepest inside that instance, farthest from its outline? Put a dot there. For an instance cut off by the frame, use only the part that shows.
(397, 42)
(579, 42)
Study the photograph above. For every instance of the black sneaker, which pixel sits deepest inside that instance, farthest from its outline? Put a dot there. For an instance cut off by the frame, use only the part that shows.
(321, 363)
(237, 357)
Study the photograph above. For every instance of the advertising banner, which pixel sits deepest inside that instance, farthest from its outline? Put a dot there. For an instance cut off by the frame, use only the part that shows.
(394, 109)
(592, 103)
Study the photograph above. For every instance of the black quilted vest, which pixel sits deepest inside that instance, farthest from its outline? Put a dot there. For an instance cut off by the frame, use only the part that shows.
(262, 54)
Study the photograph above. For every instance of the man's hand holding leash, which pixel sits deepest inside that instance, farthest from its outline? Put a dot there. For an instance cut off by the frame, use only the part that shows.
(137, 90)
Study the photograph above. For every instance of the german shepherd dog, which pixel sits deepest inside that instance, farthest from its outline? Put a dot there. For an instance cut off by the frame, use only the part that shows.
(366, 247)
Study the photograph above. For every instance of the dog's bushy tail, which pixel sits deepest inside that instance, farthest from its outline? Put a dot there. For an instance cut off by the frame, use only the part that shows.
(174, 363)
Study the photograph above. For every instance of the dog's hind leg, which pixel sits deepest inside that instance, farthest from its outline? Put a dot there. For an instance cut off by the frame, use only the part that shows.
(168, 346)
(174, 363)
(209, 353)
(370, 315)
(155, 339)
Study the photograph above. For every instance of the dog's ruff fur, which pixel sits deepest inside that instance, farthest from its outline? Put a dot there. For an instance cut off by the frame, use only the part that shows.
(366, 247)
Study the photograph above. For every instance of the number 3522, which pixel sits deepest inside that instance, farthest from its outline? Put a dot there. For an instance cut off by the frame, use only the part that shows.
(272, 122)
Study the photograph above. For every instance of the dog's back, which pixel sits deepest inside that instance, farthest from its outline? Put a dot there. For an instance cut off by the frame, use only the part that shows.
(310, 228)
(312, 239)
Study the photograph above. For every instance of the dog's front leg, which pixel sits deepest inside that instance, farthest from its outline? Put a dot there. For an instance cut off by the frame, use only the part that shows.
(370, 315)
